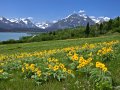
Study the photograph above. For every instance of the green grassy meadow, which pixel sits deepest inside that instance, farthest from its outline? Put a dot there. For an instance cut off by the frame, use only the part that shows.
(16, 82)
(54, 44)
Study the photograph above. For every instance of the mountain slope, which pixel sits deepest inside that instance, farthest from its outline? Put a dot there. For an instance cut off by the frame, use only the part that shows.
(73, 20)
(18, 25)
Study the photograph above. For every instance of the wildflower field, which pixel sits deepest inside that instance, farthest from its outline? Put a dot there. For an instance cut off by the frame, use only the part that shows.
(78, 64)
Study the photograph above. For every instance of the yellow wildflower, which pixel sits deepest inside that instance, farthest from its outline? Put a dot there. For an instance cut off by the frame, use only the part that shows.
(55, 67)
(101, 66)
(38, 73)
(69, 71)
(104, 69)
(75, 57)
(61, 65)
(64, 69)
(23, 70)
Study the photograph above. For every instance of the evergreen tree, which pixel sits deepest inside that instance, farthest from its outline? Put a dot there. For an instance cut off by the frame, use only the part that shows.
(110, 24)
(118, 18)
(117, 22)
(54, 33)
(101, 28)
(93, 30)
(105, 27)
(87, 30)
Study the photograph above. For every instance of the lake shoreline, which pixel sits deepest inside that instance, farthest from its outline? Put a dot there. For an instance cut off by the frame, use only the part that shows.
(4, 36)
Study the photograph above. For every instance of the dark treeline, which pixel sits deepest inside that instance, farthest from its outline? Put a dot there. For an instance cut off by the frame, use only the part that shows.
(112, 26)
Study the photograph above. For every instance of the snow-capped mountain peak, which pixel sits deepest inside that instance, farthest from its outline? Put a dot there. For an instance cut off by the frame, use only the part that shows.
(96, 20)
(17, 23)
(81, 11)
(41, 25)
(1, 18)
(25, 20)
(54, 21)
(104, 18)
(44, 25)
(82, 14)
(75, 19)
(18, 20)
(4, 20)
(15, 20)
(99, 19)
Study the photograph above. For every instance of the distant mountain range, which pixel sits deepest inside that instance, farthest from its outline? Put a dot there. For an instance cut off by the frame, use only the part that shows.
(72, 20)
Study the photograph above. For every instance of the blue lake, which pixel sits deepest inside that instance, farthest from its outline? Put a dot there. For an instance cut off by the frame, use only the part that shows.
(10, 35)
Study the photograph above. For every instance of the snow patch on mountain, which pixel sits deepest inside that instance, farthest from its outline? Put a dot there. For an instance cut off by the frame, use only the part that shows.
(104, 18)
(99, 19)
(82, 11)
(67, 16)
(15, 20)
(54, 21)
(41, 25)
(30, 18)
(1, 18)
(82, 14)
(25, 20)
